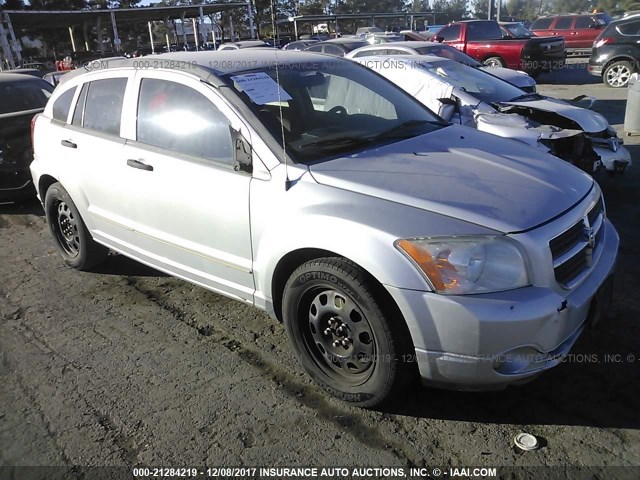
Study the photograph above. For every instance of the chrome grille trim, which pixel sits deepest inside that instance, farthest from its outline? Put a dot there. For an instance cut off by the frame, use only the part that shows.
(573, 250)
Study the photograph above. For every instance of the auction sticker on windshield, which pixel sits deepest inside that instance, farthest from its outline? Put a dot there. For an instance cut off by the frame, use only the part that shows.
(260, 87)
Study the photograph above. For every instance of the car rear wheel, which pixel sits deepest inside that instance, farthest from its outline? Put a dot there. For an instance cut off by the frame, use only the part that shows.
(617, 74)
(336, 324)
(70, 234)
(493, 62)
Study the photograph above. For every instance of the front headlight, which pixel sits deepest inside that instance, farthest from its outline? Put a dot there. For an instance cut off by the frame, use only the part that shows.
(468, 264)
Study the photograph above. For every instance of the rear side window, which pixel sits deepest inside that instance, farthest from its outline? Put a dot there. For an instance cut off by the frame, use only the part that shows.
(632, 28)
(333, 50)
(178, 118)
(583, 22)
(450, 33)
(314, 48)
(483, 31)
(62, 105)
(542, 24)
(103, 106)
(564, 23)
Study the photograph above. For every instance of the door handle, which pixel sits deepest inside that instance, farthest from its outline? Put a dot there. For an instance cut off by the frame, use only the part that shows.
(138, 164)
(68, 143)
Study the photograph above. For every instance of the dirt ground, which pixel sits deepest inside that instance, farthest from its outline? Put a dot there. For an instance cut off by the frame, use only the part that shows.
(127, 366)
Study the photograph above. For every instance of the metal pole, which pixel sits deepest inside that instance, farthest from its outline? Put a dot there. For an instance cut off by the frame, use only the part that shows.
(203, 30)
(116, 38)
(295, 28)
(184, 30)
(166, 36)
(252, 28)
(195, 33)
(153, 48)
(73, 42)
(498, 8)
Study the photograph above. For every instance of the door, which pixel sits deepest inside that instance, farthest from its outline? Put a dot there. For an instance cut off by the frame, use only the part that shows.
(189, 207)
(563, 28)
(93, 146)
(585, 31)
(451, 36)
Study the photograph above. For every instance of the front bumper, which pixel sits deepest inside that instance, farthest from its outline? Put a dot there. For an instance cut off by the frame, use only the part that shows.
(614, 161)
(486, 342)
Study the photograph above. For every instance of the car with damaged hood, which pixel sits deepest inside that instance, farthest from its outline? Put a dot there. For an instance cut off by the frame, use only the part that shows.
(477, 99)
(391, 243)
(518, 78)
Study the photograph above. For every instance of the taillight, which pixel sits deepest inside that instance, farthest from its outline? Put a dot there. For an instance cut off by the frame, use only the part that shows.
(602, 41)
(33, 127)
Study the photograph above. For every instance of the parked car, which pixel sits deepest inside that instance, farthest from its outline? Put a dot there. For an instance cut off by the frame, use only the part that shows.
(244, 44)
(485, 102)
(299, 44)
(616, 52)
(579, 30)
(389, 242)
(21, 97)
(484, 41)
(338, 47)
(519, 79)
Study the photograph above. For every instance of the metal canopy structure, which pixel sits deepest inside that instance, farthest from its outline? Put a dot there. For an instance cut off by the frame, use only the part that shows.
(10, 20)
(408, 18)
(45, 19)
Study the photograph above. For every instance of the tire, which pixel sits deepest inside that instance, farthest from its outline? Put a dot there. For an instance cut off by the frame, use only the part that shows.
(617, 74)
(493, 62)
(69, 232)
(339, 331)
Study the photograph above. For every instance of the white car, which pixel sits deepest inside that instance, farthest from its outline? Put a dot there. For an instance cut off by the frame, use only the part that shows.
(473, 98)
(520, 79)
(389, 242)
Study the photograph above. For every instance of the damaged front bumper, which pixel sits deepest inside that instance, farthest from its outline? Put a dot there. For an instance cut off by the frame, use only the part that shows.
(614, 157)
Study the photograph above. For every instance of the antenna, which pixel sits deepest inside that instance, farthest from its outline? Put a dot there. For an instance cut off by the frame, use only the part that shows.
(287, 182)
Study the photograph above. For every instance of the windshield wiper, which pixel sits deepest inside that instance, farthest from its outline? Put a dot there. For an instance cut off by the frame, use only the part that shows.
(337, 142)
(406, 129)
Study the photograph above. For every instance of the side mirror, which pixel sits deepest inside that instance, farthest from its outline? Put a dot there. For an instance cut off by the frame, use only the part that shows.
(438, 39)
(595, 25)
(242, 153)
(507, 36)
(448, 108)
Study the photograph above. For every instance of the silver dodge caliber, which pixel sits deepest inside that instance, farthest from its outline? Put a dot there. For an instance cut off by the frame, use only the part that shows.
(389, 242)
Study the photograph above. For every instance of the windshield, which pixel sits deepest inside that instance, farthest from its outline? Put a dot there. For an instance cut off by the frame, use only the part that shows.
(331, 107)
(475, 82)
(451, 53)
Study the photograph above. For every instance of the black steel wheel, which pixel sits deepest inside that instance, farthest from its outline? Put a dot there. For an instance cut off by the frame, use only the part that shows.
(334, 315)
(69, 232)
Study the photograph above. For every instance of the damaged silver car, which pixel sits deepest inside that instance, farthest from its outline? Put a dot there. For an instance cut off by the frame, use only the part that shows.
(476, 99)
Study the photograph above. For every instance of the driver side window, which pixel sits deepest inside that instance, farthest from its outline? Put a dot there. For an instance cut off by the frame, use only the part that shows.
(180, 119)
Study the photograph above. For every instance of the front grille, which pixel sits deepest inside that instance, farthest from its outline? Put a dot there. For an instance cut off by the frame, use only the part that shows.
(572, 250)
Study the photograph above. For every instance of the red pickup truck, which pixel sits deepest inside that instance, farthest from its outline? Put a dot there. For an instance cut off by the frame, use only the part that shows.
(484, 41)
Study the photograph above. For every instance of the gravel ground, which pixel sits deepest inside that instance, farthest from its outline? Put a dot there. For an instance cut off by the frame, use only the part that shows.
(126, 366)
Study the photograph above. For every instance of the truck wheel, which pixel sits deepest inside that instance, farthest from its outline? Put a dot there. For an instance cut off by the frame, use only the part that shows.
(70, 234)
(617, 74)
(341, 335)
(493, 62)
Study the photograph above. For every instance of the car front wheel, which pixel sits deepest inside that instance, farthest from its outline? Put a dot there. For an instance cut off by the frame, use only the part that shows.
(617, 74)
(70, 234)
(336, 324)
(493, 62)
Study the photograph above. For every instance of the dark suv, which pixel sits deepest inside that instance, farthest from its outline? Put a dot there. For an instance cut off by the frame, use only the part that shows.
(579, 30)
(616, 52)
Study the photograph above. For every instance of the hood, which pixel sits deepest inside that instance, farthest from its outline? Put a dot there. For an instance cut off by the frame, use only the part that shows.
(589, 121)
(446, 172)
(519, 79)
